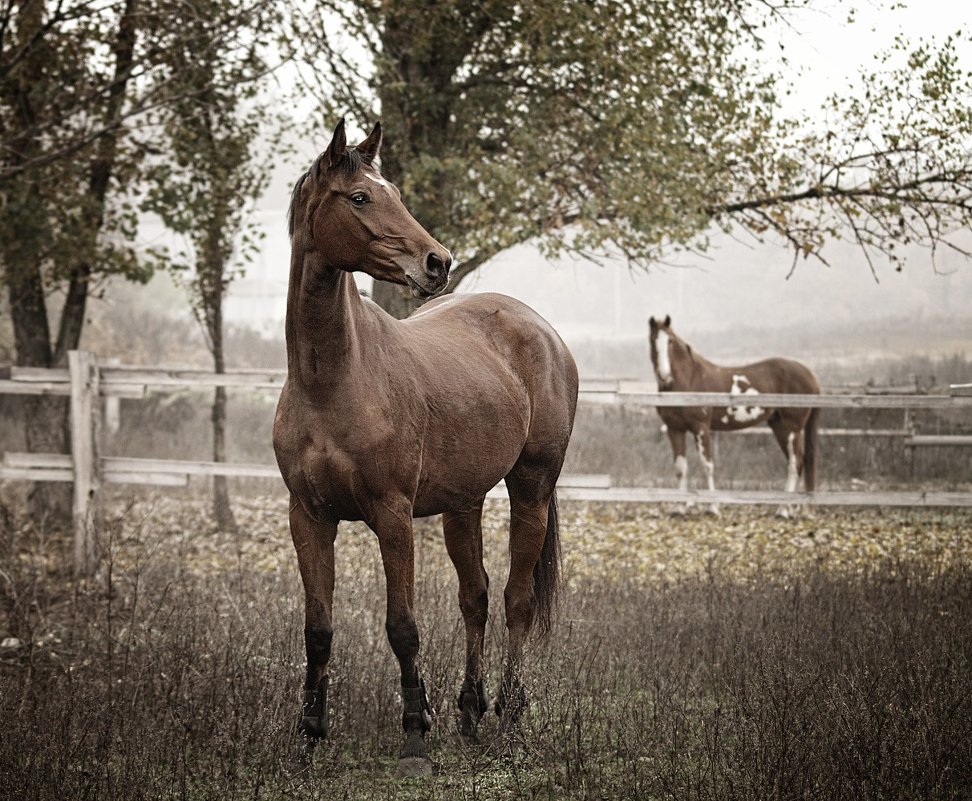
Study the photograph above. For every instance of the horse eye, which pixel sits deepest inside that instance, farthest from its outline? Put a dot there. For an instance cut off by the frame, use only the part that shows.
(359, 199)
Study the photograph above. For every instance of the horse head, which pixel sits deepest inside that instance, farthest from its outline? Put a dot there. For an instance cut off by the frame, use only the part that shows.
(662, 340)
(343, 209)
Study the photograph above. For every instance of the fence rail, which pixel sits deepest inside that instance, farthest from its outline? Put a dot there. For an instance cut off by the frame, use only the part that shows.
(87, 383)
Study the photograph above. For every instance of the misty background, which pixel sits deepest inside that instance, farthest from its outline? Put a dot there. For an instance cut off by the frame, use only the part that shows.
(741, 300)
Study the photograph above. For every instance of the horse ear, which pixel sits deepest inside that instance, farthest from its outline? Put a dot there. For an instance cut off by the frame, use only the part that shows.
(370, 146)
(668, 321)
(652, 324)
(338, 147)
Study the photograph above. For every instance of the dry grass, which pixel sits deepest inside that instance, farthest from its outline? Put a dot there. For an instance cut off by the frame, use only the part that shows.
(694, 658)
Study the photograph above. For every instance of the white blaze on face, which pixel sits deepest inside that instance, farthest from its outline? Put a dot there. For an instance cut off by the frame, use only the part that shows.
(743, 414)
(661, 350)
(376, 178)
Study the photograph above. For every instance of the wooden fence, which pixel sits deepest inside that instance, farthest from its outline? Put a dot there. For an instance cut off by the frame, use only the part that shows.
(92, 386)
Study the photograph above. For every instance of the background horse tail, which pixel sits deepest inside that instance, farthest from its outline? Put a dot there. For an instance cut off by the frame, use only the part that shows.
(810, 451)
(546, 575)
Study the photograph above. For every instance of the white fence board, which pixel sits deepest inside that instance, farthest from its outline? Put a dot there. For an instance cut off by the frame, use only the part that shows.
(760, 497)
(132, 381)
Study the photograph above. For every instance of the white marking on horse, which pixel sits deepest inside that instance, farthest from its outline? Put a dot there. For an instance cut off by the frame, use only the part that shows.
(681, 470)
(664, 365)
(743, 414)
(706, 458)
(792, 474)
(376, 178)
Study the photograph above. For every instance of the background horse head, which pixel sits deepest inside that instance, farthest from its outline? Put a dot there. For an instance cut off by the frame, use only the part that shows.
(678, 368)
(383, 420)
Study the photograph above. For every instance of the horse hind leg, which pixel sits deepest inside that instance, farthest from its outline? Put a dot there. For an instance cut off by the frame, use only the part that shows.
(788, 438)
(533, 578)
(703, 442)
(314, 543)
(464, 543)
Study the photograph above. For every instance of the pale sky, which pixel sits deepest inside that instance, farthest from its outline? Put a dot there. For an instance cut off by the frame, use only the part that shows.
(825, 50)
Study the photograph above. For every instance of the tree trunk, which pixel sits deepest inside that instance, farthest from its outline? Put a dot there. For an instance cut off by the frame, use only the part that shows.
(395, 299)
(26, 234)
(46, 422)
(45, 417)
(222, 510)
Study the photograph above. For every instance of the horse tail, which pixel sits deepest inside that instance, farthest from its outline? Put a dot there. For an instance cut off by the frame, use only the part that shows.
(810, 451)
(546, 574)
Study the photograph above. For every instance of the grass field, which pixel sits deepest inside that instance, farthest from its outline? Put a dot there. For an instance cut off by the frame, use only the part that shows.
(693, 657)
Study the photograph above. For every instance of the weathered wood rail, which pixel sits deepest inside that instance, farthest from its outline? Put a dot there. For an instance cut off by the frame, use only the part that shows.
(89, 384)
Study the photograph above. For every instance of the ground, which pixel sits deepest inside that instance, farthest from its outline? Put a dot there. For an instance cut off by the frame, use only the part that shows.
(693, 656)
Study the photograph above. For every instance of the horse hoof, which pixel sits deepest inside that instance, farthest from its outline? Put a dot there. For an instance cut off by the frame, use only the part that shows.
(412, 766)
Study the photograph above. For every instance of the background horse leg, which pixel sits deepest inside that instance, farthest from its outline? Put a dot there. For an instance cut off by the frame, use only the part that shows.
(464, 542)
(394, 531)
(703, 443)
(676, 436)
(314, 542)
(787, 432)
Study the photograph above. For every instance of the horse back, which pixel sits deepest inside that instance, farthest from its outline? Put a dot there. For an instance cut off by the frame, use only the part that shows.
(493, 331)
(776, 375)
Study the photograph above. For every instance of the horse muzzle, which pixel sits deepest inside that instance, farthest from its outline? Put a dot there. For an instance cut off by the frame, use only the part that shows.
(432, 277)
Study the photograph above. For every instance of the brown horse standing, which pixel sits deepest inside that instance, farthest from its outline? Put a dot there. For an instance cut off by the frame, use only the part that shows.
(384, 420)
(678, 368)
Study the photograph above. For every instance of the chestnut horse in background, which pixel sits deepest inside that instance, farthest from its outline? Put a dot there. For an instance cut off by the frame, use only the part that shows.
(679, 368)
(383, 420)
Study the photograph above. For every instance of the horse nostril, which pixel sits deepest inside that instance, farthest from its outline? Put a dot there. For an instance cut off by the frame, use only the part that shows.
(436, 266)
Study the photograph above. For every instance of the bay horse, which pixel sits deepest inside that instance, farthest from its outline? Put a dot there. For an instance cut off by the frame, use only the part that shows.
(383, 420)
(679, 368)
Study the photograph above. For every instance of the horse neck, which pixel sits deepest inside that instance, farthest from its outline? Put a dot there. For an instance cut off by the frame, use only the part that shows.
(685, 371)
(325, 315)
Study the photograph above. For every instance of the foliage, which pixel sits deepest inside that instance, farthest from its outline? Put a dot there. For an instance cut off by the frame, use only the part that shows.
(78, 82)
(890, 168)
(215, 136)
(607, 127)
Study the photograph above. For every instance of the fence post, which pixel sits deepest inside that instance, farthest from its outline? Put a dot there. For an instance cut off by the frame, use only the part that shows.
(85, 425)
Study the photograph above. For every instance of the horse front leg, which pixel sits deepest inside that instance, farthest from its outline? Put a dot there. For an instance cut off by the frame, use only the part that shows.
(676, 438)
(464, 542)
(398, 558)
(788, 438)
(314, 543)
(703, 442)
